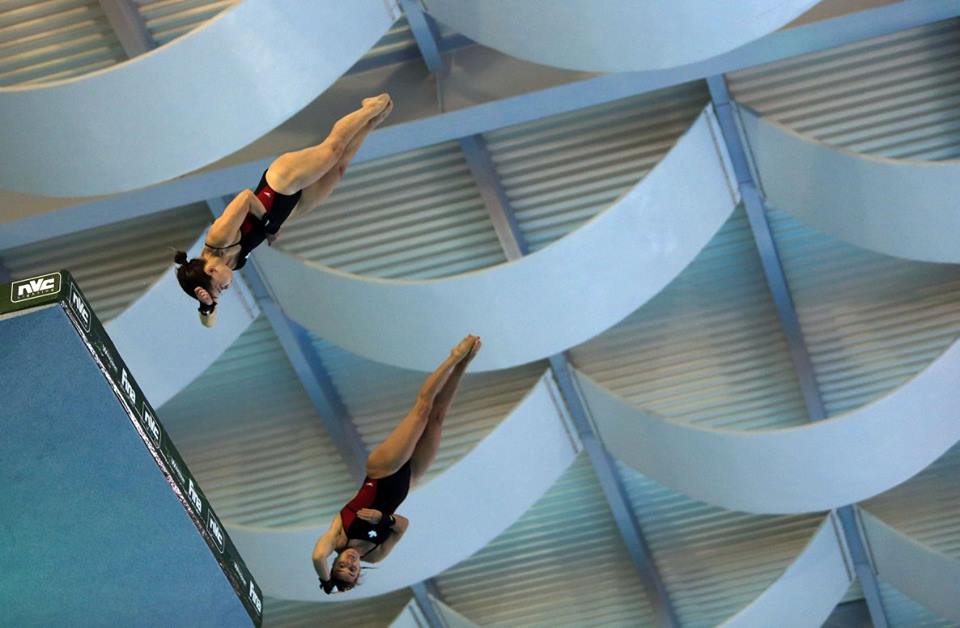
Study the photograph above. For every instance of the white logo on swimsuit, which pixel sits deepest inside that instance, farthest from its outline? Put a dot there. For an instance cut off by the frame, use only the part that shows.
(34, 287)
(369, 483)
(267, 194)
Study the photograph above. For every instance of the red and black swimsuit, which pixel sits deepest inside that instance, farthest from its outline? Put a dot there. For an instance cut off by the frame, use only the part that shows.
(253, 231)
(383, 494)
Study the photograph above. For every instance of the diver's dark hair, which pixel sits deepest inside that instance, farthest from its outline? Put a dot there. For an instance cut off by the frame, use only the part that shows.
(191, 275)
(327, 586)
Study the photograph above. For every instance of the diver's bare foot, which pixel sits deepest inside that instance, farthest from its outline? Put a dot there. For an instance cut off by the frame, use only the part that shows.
(473, 351)
(376, 104)
(463, 347)
(380, 117)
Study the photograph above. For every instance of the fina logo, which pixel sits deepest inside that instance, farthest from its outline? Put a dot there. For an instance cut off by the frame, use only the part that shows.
(240, 575)
(34, 287)
(175, 467)
(79, 306)
(128, 387)
(255, 599)
(152, 425)
(194, 497)
(216, 531)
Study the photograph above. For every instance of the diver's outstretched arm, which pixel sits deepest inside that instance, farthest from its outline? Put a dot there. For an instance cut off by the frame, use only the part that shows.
(325, 546)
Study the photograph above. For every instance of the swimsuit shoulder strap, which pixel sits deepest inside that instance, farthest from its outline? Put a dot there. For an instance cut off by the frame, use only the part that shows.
(220, 248)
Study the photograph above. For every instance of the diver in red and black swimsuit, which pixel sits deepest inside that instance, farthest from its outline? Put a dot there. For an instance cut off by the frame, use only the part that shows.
(367, 528)
(294, 185)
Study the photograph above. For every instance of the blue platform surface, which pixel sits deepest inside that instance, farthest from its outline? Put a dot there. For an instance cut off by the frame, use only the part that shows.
(91, 533)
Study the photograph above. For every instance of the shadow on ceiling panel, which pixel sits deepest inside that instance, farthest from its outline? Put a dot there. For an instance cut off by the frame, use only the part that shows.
(416, 215)
(562, 564)
(560, 171)
(713, 561)
(57, 39)
(903, 612)
(927, 506)
(892, 96)
(871, 322)
(708, 349)
(366, 613)
(168, 19)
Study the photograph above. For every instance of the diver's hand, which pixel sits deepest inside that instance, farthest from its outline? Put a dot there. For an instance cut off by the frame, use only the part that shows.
(370, 514)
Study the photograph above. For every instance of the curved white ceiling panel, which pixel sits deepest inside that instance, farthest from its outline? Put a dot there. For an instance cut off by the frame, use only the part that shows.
(162, 341)
(183, 105)
(615, 35)
(815, 582)
(924, 574)
(535, 306)
(901, 207)
(451, 517)
(812, 467)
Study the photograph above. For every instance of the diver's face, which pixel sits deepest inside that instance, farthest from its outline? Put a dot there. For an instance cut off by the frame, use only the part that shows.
(221, 276)
(347, 566)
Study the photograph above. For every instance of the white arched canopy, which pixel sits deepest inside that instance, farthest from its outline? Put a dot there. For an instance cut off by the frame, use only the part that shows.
(901, 207)
(615, 35)
(926, 575)
(162, 340)
(818, 466)
(185, 104)
(538, 305)
(814, 583)
(451, 517)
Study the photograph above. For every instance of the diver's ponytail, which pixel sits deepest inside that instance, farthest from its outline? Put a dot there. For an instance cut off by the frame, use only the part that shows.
(180, 258)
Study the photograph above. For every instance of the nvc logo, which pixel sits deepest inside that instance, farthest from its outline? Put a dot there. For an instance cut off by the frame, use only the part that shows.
(216, 531)
(150, 422)
(80, 308)
(35, 287)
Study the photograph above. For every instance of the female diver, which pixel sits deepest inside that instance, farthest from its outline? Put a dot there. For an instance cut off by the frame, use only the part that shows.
(294, 185)
(367, 528)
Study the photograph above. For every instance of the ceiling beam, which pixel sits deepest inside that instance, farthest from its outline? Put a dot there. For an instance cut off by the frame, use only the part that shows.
(514, 246)
(790, 324)
(127, 23)
(429, 128)
(422, 592)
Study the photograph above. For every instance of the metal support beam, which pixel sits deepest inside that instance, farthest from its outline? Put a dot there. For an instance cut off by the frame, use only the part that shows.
(306, 363)
(481, 166)
(425, 33)
(428, 128)
(422, 592)
(514, 246)
(790, 323)
(129, 26)
(612, 486)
